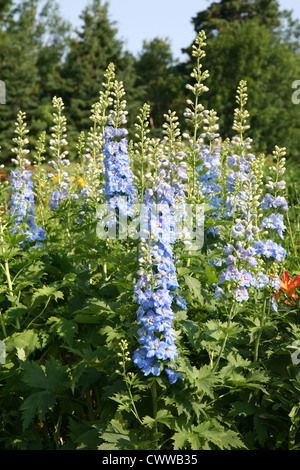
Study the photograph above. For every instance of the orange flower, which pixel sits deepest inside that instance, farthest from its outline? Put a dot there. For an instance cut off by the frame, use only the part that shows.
(288, 287)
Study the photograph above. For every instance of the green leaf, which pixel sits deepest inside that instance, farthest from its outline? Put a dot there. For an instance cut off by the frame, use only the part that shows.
(36, 405)
(163, 416)
(64, 328)
(28, 340)
(193, 332)
(224, 439)
(195, 286)
(117, 437)
(211, 277)
(15, 312)
(46, 291)
(48, 376)
(205, 380)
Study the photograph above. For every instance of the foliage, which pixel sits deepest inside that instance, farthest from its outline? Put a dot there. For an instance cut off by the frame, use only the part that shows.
(91, 322)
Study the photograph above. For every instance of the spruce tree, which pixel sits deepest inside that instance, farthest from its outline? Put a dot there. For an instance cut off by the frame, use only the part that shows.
(94, 46)
(33, 38)
(17, 68)
(158, 77)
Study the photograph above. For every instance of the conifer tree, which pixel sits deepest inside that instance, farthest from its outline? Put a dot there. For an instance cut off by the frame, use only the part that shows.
(33, 40)
(159, 78)
(94, 46)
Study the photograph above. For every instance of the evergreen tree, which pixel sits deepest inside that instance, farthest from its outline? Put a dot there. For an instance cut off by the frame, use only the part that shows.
(158, 76)
(17, 68)
(215, 19)
(94, 46)
(52, 37)
(33, 40)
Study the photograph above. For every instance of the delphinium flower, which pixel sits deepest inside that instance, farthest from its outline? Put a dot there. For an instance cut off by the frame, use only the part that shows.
(203, 152)
(93, 171)
(92, 158)
(251, 257)
(238, 254)
(274, 202)
(60, 161)
(142, 151)
(21, 188)
(118, 188)
(194, 116)
(157, 285)
(108, 112)
(210, 171)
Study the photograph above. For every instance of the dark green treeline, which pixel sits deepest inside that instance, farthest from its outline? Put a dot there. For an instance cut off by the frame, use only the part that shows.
(41, 56)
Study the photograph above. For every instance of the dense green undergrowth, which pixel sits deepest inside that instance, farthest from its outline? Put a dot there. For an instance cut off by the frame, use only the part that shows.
(68, 315)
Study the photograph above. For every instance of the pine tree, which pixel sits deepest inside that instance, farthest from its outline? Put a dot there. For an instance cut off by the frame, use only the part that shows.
(91, 50)
(158, 76)
(215, 18)
(17, 68)
(33, 41)
(52, 37)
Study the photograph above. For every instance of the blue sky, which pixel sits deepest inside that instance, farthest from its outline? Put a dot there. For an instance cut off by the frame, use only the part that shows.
(137, 20)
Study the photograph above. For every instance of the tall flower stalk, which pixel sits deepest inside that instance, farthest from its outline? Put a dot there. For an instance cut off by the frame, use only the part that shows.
(60, 162)
(22, 201)
(157, 283)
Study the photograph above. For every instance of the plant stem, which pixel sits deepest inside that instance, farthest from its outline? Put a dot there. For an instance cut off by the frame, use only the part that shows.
(262, 323)
(3, 325)
(8, 277)
(154, 399)
(154, 403)
(41, 313)
(230, 317)
(291, 235)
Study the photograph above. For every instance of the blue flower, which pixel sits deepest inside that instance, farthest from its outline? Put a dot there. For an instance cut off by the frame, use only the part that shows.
(241, 294)
(275, 222)
(119, 188)
(157, 281)
(22, 206)
(261, 280)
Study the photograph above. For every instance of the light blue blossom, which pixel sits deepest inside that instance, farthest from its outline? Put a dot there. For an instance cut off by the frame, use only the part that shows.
(22, 206)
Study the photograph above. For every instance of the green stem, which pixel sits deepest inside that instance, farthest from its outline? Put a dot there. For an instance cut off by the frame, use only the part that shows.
(291, 235)
(105, 270)
(154, 403)
(3, 325)
(134, 410)
(230, 317)
(154, 399)
(262, 324)
(41, 313)
(8, 277)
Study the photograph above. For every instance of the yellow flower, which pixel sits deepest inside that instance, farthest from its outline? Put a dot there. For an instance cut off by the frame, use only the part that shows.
(80, 182)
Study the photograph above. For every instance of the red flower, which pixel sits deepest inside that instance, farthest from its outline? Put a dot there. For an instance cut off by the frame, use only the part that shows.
(3, 175)
(288, 287)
